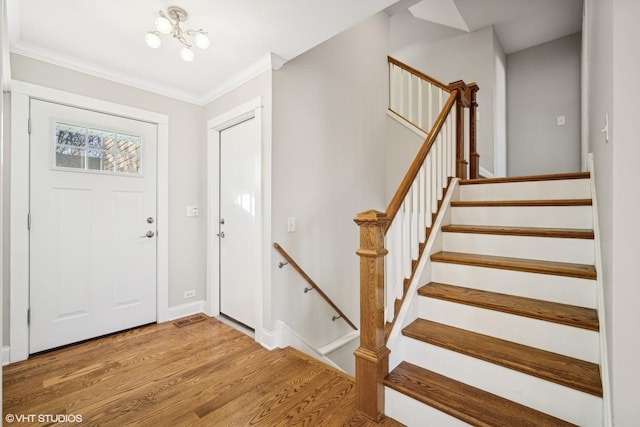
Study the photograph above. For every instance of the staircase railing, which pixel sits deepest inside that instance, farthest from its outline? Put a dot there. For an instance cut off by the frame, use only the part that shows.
(402, 230)
(305, 276)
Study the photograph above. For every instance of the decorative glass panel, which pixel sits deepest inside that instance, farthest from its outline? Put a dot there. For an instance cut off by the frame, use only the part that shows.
(128, 164)
(92, 149)
(70, 135)
(68, 157)
(129, 144)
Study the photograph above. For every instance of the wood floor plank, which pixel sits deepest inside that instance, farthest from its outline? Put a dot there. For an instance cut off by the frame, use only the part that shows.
(467, 403)
(563, 370)
(204, 374)
(564, 314)
(582, 271)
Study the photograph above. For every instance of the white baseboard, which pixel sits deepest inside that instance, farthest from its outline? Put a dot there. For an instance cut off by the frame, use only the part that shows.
(187, 309)
(287, 337)
(6, 355)
(268, 339)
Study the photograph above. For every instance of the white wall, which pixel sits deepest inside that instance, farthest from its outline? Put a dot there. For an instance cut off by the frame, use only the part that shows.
(328, 164)
(614, 64)
(187, 244)
(625, 291)
(469, 57)
(543, 82)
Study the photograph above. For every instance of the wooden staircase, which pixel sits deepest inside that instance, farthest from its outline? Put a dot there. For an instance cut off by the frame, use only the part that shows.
(506, 332)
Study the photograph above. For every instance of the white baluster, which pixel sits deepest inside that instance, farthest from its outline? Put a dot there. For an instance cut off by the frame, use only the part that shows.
(414, 220)
(422, 194)
(392, 86)
(434, 181)
(430, 107)
(401, 93)
(406, 240)
(428, 192)
(420, 102)
(410, 98)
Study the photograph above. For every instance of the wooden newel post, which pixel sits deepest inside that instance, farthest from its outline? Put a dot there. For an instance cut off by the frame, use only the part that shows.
(461, 102)
(474, 157)
(372, 357)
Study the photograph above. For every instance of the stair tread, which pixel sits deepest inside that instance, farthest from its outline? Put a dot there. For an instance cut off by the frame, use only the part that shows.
(520, 264)
(567, 233)
(560, 369)
(469, 404)
(550, 177)
(521, 203)
(565, 314)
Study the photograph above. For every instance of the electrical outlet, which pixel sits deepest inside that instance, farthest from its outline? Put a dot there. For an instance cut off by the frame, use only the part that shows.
(189, 294)
(192, 211)
(291, 224)
(560, 120)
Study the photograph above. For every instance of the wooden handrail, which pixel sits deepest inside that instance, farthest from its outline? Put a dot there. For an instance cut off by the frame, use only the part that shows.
(414, 169)
(306, 277)
(419, 74)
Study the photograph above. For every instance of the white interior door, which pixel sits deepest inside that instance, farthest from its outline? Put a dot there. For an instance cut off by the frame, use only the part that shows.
(92, 235)
(239, 220)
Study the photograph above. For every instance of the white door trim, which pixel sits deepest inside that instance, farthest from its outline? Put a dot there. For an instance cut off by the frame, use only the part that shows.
(252, 108)
(21, 93)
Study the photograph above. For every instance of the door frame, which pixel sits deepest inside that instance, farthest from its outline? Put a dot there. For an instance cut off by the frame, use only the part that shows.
(250, 109)
(21, 94)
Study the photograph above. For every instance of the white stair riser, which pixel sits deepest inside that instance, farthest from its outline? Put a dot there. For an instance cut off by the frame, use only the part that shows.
(531, 190)
(525, 216)
(570, 341)
(579, 251)
(566, 290)
(562, 402)
(412, 413)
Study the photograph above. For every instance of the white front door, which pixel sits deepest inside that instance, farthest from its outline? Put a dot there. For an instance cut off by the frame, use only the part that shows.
(240, 184)
(92, 235)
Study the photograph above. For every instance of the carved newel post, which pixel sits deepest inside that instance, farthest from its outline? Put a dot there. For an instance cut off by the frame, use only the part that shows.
(372, 357)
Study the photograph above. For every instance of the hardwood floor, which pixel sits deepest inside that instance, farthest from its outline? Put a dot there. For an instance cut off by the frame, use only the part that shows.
(206, 373)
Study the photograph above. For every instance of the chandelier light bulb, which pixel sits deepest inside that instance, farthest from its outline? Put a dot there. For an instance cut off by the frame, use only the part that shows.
(163, 25)
(202, 41)
(187, 54)
(153, 41)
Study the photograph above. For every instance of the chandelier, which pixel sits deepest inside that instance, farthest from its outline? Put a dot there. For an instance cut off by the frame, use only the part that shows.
(169, 24)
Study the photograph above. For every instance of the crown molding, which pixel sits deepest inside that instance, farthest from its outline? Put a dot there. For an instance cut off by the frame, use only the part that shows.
(269, 61)
(45, 55)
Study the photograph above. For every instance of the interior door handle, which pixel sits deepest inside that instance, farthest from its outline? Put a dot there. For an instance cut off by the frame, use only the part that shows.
(149, 234)
(221, 234)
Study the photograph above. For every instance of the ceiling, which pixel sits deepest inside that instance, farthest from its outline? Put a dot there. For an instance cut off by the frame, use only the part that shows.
(519, 24)
(106, 37)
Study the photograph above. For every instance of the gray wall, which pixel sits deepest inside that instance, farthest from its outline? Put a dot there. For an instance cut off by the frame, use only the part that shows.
(543, 82)
(187, 164)
(614, 64)
(328, 164)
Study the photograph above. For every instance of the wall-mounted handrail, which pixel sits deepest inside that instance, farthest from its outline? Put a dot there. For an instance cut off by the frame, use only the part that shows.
(306, 277)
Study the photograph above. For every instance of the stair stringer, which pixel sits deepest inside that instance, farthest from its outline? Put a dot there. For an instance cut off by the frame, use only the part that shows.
(409, 310)
(607, 412)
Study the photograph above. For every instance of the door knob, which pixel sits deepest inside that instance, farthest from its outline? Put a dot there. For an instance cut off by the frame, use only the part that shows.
(221, 234)
(149, 234)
